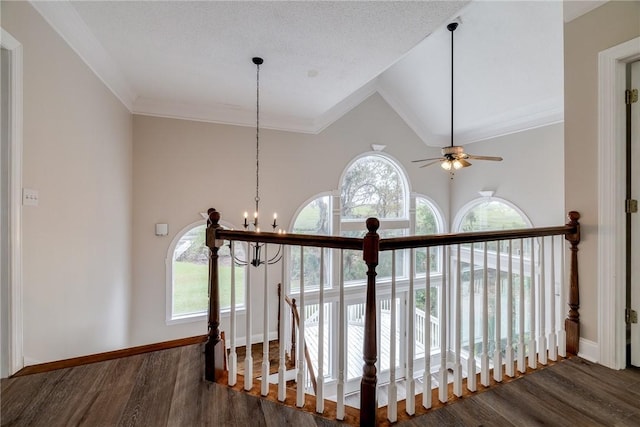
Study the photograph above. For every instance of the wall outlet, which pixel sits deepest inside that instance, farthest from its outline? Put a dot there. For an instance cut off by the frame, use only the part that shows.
(29, 197)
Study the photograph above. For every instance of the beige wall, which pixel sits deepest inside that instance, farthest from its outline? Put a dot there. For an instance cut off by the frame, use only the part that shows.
(518, 177)
(77, 242)
(181, 168)
(607, 26)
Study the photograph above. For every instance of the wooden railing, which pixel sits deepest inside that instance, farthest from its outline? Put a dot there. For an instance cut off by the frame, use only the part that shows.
(514, 341)
(295, 322)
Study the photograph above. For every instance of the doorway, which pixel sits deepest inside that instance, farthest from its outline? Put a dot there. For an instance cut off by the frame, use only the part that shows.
(11, 341)
(612, 82)
(633, 219)
(4, 211)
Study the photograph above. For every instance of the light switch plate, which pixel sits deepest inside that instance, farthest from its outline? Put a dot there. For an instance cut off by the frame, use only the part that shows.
(29, 197)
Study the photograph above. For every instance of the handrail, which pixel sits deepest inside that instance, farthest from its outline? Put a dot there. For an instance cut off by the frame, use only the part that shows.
(335, 242)
(474, 237)
(307, 356)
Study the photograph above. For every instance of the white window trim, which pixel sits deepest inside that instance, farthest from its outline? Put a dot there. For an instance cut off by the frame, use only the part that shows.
(471, 204)
(405, 182)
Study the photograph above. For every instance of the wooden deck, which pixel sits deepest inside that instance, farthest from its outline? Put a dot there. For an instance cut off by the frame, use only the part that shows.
(166, 388)
(355, 343)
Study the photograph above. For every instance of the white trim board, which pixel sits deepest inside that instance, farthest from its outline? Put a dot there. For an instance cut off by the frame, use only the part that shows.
(589, 350)
(611, 193)
(16, 344)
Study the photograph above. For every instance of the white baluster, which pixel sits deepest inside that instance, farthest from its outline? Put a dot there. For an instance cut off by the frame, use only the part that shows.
(542, 338)
(521, 314)
(392, 405)
(426, 376)
(264, 389)
(300, 386)
(442, 374)
(248, 358)
(532, 311)
(320, 377)
(562, 336)
(233, 356)
(457, 368)
(497, 355)
(411, 383)
(471, 363)
(282, 393)
(553, 340)
(508, 353)
(484, 357)
(341, 342)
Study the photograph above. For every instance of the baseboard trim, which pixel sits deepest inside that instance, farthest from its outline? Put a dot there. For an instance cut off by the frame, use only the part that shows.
(110, 355)
(589, 350)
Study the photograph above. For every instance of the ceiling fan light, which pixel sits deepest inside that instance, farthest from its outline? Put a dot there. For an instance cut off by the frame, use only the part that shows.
(457, 164)
(446, 165)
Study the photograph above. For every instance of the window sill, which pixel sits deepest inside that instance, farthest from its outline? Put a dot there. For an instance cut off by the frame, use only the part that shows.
(199, 317)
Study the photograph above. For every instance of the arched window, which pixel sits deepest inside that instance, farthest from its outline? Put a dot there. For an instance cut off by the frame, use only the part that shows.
(371, 185)
(188, 275)
(374, 186)
(490, 213)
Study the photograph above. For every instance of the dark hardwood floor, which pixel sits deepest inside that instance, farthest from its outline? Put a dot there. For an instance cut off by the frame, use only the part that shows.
(166, 388)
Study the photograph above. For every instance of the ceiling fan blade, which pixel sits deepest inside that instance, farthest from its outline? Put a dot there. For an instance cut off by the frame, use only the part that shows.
(433, 163)
(492, 158)
(426, 160)
(464, 163)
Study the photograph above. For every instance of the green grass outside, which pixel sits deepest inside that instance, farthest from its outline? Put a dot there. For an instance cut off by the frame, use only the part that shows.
(190, 287)
(307, 220)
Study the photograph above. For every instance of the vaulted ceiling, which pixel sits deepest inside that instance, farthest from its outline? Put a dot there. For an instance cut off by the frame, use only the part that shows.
(192, 60)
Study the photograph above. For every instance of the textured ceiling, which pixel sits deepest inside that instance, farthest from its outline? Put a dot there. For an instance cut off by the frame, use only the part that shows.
(193, 60)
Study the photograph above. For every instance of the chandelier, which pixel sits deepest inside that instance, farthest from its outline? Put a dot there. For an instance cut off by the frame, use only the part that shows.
(254, 225)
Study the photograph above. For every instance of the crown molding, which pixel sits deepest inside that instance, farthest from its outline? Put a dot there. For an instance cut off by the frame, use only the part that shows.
(66, 21)
(221, 114)
(343, 107)
(513, 121)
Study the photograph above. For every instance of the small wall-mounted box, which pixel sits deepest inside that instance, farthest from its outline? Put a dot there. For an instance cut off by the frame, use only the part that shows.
(162, 229)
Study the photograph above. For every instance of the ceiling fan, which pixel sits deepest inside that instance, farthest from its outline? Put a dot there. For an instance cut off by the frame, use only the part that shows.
(453, 156)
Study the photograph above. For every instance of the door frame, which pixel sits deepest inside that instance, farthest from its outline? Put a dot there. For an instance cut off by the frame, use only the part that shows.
(612, 64)
(16, 344)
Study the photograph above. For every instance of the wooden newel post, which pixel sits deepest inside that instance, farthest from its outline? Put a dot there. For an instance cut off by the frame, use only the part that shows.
(368, 385)
(572, 322)
(214, 347)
